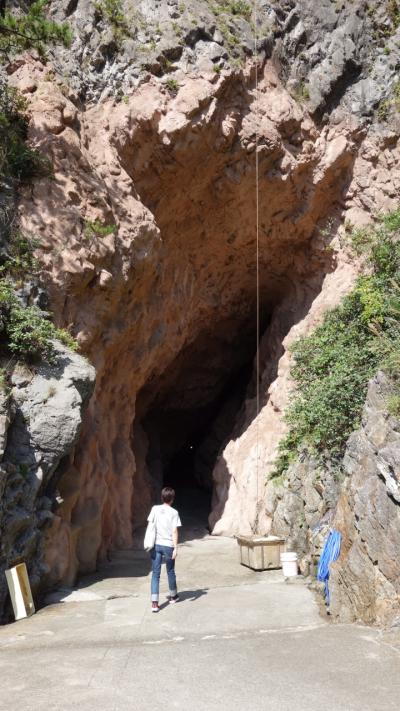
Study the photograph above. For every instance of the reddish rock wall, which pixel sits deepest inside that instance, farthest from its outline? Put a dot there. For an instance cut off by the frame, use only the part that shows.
(164, 305)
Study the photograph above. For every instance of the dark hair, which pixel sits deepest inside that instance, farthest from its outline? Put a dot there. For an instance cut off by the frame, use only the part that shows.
(167, 495)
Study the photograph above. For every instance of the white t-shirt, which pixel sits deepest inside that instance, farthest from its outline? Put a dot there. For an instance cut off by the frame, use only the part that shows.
(166, 519)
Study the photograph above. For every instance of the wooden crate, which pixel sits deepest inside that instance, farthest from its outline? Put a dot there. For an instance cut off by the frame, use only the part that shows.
(260, 552)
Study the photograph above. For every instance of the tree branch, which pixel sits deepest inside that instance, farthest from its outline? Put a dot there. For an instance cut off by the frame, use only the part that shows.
(9, 31)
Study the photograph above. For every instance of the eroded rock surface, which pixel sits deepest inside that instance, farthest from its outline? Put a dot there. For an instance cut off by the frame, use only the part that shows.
(163, 300)
(147, 243)
(39, 426)
(341, 54)
(304, 506)
(365, 581)
(360, 497)
(160, 328)
(331, 53)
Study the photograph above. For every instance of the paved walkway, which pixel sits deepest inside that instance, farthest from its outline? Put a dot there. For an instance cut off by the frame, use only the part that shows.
(239, 640)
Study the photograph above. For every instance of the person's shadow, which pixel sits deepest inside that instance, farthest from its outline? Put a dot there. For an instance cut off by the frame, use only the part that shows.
(192, 595)
(188, 596)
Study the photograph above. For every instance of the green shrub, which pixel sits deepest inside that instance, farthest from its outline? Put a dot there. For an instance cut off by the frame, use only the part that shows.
(21, 30)
(65, 337)
(391, 221)
(394, 405)
(390, 104)
(226, 14)
(240, 8)
(172, 85)
(20, 261)
(301, 93)
(26, 163)
(17, 160)
(393, 10)
(112, 11)
(29, 334)
(372, 301)
(389, 351)
(333, 364)
(96, 229)
(383, 110)
(24, 331)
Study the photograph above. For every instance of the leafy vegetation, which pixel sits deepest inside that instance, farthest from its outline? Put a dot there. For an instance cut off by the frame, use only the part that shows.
(19, 265)
(24, 331)
(390, 105)
(240, 8)
(96, 229)
(23, 26)
(386, 22)
(301, 93)
(26, 26)
(20, 260)
(332, 366)
(113, 12)
(172, 85)
(227, 13)
(393, 9)
(17, 160)
(394, 405)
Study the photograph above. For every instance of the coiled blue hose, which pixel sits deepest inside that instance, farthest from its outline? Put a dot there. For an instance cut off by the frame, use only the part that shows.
(329, 554)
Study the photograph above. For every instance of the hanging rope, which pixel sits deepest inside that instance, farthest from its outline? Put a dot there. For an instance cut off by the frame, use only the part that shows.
(258, 502)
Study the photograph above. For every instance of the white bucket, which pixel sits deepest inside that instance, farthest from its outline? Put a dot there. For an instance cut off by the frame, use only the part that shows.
(289, 564)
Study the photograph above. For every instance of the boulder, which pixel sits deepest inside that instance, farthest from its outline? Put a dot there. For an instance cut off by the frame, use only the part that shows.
(365, 581)
(40, 422)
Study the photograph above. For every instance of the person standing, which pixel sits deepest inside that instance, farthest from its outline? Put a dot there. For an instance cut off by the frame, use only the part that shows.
(167, 522)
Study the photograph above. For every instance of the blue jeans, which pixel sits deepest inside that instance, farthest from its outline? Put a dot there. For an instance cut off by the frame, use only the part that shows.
(161, 554)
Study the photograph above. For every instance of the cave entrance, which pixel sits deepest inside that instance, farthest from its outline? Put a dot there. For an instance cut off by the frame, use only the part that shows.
(193, 495)
(189, 414)
(184, 444)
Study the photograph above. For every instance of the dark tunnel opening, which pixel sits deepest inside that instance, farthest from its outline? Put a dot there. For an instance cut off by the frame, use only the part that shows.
(188, 469)
(191, 411)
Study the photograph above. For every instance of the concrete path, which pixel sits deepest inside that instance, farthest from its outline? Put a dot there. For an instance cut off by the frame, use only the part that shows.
(239, 640)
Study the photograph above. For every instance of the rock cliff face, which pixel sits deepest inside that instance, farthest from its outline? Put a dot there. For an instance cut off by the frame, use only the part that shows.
(332, 53)
(147, 241)
(40, 421)
(361, 500)
(159, 328)
(365, 582)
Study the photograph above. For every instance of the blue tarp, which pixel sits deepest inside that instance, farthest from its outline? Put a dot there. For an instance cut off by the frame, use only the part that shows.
(329, 554)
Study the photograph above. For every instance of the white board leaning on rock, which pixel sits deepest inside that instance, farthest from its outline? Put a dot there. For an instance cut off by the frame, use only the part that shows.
(20, 591)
